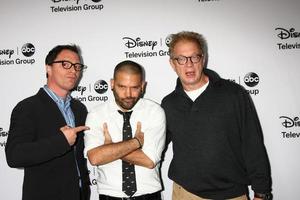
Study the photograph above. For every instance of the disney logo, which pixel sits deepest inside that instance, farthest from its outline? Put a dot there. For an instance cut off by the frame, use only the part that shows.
(8, 52)
(3, 133)
(80, 89)
(131, 43)
(77, 1)
(288, 122)
(285, 34)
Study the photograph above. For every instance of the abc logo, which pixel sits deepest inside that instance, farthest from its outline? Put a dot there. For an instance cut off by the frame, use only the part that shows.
(101, 86)
(251, 79)
(168, 40)
(96, 1)
(28, 49)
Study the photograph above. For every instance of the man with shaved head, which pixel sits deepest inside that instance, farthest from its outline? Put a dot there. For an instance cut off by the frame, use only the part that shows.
(126, 139)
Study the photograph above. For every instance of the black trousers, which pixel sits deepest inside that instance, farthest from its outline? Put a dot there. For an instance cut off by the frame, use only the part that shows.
(152, 196)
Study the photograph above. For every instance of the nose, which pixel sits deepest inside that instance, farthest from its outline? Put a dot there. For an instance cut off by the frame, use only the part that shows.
(189, 62)
(128, 92)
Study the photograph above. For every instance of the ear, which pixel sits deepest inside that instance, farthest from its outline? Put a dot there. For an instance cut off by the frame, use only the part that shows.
(203, 61)
(171, 61)
(143, 90)
(144, 85)
(48, 69)
(112, 84)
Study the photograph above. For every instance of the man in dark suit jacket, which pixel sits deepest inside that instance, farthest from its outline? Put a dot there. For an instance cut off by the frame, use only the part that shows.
(46, 133)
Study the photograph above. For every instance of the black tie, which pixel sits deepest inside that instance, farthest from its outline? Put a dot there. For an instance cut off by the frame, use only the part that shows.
(128, 172)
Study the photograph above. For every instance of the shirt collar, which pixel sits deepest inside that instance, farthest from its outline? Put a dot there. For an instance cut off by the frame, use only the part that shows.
(56, 98)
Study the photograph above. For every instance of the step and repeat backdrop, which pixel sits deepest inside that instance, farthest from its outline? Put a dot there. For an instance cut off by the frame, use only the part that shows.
(253, 43)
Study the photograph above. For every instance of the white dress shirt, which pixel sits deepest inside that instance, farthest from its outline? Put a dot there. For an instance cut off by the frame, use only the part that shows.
(153, 123)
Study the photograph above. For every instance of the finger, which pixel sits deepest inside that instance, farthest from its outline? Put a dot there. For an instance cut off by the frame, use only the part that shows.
(64, 127)
(81, 128)
(105, 129)
(139, 127)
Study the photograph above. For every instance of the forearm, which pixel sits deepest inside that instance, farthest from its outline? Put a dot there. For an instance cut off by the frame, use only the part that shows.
(23, 153)
(29, 144)
(110, 152)
(253, 149)
(138, 157)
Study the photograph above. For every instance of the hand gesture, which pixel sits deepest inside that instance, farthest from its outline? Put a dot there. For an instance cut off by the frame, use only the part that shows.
(107, 137)
(139, 134)
(71, 133)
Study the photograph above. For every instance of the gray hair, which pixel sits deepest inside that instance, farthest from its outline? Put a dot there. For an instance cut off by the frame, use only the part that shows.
(191, 37)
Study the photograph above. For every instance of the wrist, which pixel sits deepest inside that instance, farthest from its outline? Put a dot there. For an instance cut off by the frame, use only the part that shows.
(140, 144)
(264, 196)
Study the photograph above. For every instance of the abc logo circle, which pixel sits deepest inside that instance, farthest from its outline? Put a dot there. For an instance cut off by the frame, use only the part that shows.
(101, 86)
(28, 49)
(251, 79)
(96, 1)
(168, 40)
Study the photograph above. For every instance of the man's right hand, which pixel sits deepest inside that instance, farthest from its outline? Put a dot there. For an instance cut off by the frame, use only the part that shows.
(71, 133)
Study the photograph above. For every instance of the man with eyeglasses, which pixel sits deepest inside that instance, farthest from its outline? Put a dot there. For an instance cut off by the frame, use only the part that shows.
(46, 133)
(217, 141)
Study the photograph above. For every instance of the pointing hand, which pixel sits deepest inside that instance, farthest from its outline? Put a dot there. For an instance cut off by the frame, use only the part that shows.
(71, 133)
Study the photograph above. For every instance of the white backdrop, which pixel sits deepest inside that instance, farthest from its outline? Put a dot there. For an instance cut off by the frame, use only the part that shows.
(254, 43)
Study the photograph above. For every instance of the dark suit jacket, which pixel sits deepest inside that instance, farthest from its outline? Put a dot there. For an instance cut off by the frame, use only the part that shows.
(36, 144)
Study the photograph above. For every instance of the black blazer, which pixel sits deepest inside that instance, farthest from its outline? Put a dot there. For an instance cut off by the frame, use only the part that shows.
(36, 144)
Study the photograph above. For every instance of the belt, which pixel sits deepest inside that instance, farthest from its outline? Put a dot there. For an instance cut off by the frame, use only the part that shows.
(152, 196)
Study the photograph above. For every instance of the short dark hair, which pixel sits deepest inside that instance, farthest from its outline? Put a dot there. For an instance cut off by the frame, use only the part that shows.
(131, 67)
(50, 58)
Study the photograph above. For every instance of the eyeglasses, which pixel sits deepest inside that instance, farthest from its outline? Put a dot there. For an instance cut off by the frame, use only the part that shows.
(67, 65)
(182, 60)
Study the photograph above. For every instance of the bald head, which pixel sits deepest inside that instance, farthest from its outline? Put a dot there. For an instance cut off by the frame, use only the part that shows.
(129, 67)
